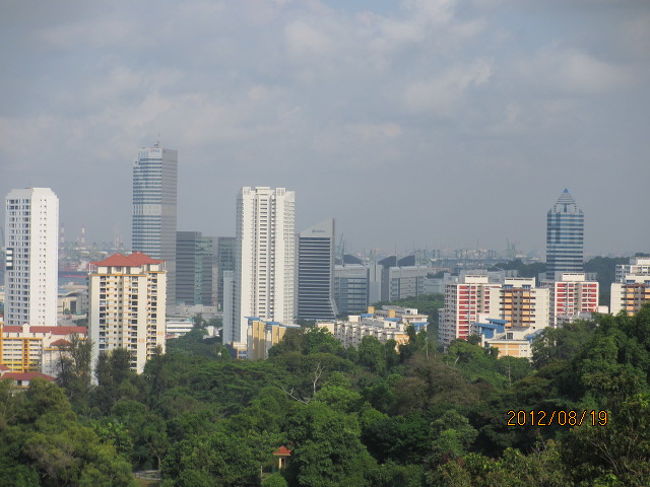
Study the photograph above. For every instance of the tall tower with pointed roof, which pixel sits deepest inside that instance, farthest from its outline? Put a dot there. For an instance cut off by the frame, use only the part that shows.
(565, 223)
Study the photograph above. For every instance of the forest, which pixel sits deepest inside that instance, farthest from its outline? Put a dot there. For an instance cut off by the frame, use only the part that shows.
(374, 416)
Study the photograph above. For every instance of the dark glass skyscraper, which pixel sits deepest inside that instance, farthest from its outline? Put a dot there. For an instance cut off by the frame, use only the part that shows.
(195, 258)
(565, 224)
(155, 182)
(316, 272)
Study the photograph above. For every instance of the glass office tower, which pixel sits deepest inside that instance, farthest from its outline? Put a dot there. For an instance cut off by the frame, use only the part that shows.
(565, 224)
(155, 188)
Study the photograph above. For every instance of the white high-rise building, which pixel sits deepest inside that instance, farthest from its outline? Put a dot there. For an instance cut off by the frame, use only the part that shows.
(127, 307)
(265, 260)
(155, 190)
(32, 257)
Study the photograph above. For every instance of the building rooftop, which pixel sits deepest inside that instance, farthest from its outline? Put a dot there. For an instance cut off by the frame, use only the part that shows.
(136, 259)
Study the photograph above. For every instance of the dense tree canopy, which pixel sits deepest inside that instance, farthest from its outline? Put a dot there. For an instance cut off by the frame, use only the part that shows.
(373, 415)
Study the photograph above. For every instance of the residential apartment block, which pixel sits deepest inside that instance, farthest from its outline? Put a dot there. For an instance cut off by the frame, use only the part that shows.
(31, 257)
(389, 323)
(572, 297)
(262, 335)
(127, 297)
(35, 348)
(466, 299)
(264, 279)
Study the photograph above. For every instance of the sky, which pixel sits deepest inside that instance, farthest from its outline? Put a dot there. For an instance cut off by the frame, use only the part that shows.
(415, 123)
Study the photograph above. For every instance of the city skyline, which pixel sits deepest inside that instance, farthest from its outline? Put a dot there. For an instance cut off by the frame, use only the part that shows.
(483, 112)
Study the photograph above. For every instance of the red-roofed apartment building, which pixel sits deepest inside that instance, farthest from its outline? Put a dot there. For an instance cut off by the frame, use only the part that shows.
(127, 300)
(35, 348)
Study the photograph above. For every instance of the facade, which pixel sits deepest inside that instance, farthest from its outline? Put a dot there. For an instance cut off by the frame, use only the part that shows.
(155, 188)
(466, 297)
(31, 257)
(523, 305)
(127, 307)
(226, 250)
(406, 282)
(389, 323)
(565, 224)
(510, 342)
(316, 272)
(195, 255)
(629, 296)
(572, 297)
(35, 348)
(351, 287)
(638, 266)
(262, 335)
(265, 270)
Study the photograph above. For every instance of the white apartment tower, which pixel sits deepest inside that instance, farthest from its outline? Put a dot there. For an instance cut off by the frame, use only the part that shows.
(155, 194)
(127, 296)
(32, 233)
(264, 276)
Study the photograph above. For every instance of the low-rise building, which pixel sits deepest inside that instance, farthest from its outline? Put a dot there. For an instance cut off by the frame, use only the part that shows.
(388, 323)
(35, 348)
(262, 335)
(22, 379)
(509, 341)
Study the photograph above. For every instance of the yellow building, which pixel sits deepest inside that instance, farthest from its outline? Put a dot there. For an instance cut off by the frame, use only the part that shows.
(262, 335)
(631, 295)
(35, 348)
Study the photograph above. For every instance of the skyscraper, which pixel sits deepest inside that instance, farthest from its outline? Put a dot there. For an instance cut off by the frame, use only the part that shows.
(155, 187)
(264, 277)
(194, 261)
(316, 272)
(226, 248)
(565, 224)
(32, 232)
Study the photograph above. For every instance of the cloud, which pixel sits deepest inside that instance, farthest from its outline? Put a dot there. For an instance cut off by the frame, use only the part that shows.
(440, 94)
(572, 70)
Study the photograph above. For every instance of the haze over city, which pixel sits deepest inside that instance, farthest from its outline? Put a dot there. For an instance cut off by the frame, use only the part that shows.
(434, 124)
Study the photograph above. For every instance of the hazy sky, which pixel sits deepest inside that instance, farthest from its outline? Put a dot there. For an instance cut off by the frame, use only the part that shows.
(437, 123)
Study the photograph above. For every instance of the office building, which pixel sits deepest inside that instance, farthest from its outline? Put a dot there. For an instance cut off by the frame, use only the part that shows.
(573, 296)
(195, 257)
(351, 286)
(226, 250)
(265, 270)
(31, 257)
(127, 307)
(155, 188)
(316, 272)
(564, 237)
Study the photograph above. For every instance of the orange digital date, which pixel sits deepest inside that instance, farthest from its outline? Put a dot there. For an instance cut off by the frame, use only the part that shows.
(559, 417)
